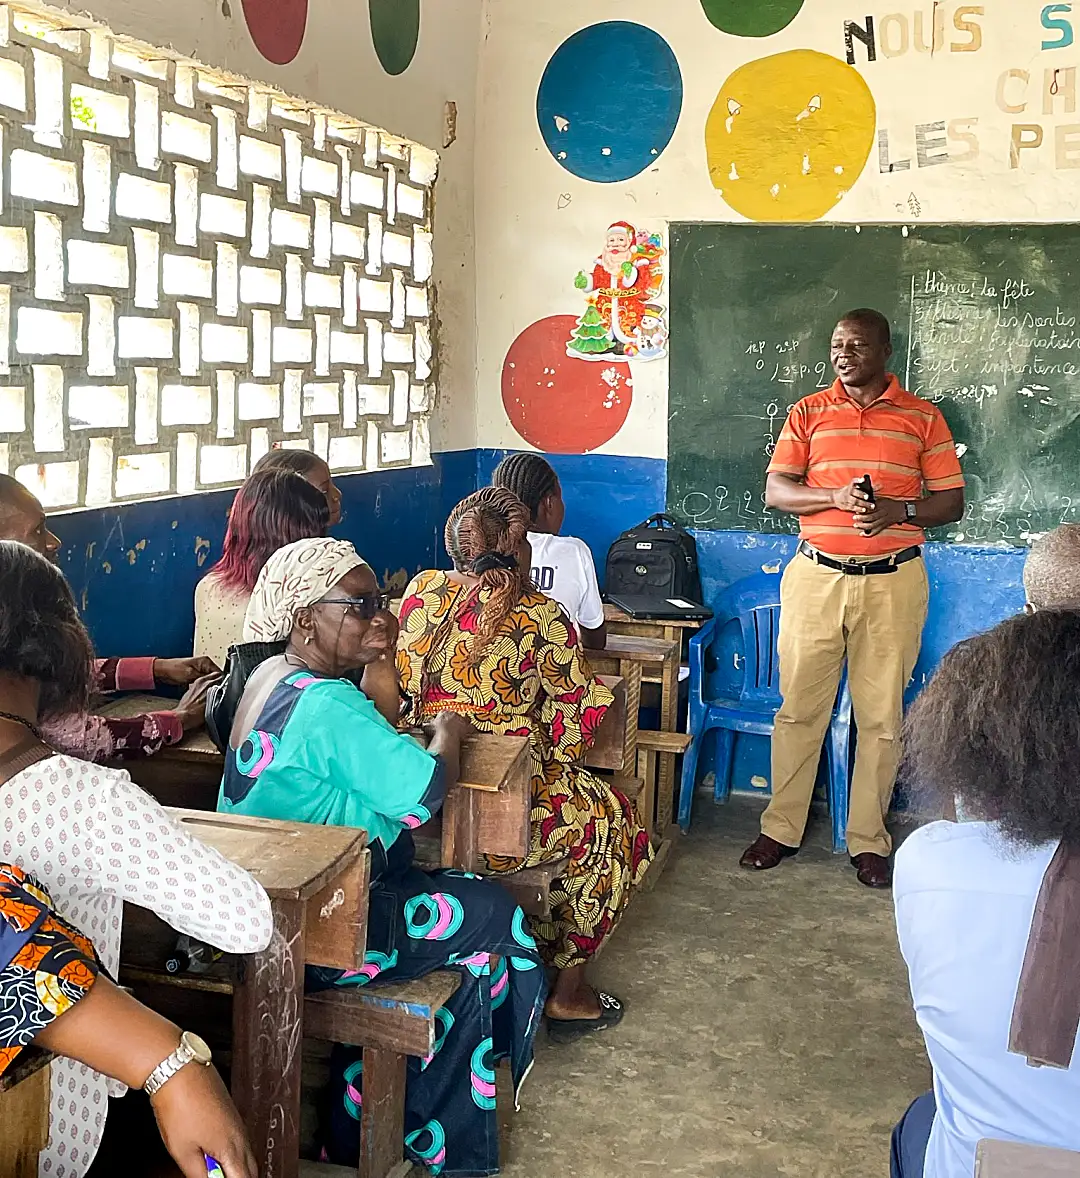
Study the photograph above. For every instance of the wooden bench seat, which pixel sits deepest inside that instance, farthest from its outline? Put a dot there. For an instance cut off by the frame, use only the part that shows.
(24, 1113)
(653, 748)
(380, 1012)
(531, 886)
(400, 1016)
(390, 1021)
(663, 742)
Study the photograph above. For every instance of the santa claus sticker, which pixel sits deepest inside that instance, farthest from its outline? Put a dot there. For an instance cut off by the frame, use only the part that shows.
(622, 320)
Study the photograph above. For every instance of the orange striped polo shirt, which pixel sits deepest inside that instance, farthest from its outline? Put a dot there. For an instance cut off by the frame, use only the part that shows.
(900, 441)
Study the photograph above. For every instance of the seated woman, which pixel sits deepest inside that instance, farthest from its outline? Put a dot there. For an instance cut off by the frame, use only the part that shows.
(92, 837)
(97, 738)
(53, 995)
(309, 467)
(273, 508)
(562, 566)
(481, 641)
(307, 744)
(986, 907)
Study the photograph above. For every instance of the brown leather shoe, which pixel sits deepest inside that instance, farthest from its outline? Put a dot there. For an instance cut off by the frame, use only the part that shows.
(765, 853)
(875, 871)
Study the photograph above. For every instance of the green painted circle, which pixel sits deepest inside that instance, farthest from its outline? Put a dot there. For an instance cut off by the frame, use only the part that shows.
(395, 29)
(751, 18)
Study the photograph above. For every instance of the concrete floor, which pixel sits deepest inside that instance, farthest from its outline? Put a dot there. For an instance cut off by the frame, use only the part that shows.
(769, 1030)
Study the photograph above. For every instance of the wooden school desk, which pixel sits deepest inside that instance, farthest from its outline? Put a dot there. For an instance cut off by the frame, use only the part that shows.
(667, 675)
(489, 814)
(317, 881)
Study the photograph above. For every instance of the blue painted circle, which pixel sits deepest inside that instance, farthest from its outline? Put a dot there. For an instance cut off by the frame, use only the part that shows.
(609, 101)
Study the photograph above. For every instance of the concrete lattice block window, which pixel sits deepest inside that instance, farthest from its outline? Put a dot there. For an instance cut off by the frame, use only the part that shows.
(195, 267)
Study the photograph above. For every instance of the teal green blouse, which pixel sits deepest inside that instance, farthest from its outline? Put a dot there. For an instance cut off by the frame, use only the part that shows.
(321, 752)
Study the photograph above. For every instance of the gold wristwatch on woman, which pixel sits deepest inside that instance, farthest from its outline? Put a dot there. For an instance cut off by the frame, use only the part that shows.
(192, 1049)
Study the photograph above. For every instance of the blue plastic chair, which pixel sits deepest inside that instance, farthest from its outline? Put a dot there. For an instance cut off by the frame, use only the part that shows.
(751, 706)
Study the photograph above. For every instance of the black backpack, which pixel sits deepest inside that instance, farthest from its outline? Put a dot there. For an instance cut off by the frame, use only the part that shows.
(658, 559)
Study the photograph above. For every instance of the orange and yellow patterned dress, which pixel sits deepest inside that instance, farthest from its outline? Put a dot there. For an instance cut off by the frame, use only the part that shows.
(46, 966)
(533, 681)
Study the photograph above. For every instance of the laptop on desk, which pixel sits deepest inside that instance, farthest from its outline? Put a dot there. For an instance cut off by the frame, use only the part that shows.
(659, 609)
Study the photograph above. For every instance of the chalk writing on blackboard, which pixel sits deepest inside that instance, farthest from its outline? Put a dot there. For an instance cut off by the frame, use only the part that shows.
(986, 325)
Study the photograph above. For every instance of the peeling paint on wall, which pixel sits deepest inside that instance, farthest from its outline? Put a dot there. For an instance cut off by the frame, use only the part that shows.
(609, 100)
(558, 404)
(789, 135)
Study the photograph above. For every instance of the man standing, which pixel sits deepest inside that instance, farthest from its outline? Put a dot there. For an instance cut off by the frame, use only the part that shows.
(857, 587)
(96, 738)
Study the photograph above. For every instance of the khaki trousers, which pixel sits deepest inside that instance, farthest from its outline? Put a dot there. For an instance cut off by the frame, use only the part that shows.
(875, 621)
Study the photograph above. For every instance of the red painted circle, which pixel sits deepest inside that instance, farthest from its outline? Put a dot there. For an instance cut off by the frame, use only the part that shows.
(277, 27)
(559, 404)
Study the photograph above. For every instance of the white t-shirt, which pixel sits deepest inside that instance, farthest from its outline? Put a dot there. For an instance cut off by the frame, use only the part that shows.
(562, 567)
(964, 905)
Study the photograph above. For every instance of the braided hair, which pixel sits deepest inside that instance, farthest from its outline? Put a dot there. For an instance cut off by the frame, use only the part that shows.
(529, 476)
(482, 536)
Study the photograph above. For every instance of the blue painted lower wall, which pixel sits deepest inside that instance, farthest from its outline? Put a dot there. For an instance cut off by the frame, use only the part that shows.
(134, 568)
(971, 588)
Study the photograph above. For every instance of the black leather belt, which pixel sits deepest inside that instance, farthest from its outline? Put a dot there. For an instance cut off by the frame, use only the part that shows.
(852, 568)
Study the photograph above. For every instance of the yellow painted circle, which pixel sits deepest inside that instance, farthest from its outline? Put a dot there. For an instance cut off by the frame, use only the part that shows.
(789, 135)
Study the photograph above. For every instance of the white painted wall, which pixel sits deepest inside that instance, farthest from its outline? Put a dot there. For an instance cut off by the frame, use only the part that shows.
(507, 253)
(529, 249)
(337, 66)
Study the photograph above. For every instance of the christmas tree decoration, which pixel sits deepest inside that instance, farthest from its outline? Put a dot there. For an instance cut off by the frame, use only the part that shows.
(591, 336)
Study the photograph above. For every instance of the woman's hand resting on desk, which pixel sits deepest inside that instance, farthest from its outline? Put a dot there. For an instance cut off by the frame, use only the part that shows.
(449, 725)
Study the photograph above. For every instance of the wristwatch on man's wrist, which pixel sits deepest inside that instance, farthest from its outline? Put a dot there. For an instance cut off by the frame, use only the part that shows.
(191, 1050)
(910, 510)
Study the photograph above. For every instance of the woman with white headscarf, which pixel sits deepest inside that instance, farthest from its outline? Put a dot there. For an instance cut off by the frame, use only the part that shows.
(305, 743)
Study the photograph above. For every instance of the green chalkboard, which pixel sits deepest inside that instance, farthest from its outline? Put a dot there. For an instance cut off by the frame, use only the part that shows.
(985, 325)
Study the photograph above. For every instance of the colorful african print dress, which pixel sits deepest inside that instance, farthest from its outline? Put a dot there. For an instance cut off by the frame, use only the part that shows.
(46, 966)
(533, 681)
(321, 752)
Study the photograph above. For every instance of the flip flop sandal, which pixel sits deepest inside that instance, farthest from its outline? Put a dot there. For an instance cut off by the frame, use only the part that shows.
(566, 1030)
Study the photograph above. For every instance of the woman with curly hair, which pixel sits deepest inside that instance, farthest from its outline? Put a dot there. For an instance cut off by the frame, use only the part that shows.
(481, 641)
(987, 906)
